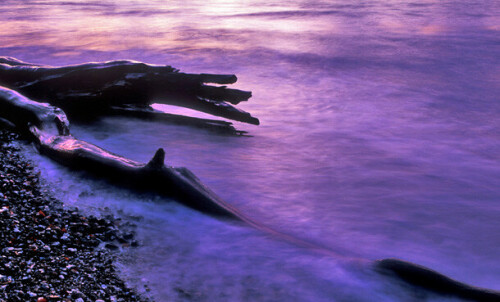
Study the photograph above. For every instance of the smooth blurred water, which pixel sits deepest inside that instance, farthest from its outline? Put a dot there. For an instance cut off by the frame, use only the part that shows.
(379, 137)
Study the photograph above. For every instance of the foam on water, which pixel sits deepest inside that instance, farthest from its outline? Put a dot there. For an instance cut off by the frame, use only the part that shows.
(186, 255)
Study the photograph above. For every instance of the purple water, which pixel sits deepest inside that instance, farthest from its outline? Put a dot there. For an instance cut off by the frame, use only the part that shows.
(379, 137)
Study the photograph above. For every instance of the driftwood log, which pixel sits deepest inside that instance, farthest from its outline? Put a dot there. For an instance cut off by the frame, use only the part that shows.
(98, 88)
(48, 127)
(128, 88)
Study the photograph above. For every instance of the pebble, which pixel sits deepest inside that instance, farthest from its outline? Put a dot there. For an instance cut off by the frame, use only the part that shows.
(50, 252)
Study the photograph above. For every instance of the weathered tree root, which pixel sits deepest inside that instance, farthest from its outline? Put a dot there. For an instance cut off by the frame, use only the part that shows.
(49, 129)
(433, 281)
(92, 88)
(150, 114)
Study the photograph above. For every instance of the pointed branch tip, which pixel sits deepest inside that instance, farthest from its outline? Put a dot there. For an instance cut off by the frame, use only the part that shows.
(158, 159)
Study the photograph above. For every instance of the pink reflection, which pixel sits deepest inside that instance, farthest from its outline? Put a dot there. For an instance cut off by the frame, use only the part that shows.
(102, 26)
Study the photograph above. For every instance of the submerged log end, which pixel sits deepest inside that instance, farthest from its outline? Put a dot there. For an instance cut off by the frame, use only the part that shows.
(198, 196)
(433, 281)
(253, 120)
(158, 160)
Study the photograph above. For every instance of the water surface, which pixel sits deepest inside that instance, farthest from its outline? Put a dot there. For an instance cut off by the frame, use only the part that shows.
(379, 138)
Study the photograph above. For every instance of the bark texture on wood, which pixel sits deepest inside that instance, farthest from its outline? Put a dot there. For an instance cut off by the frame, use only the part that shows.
(92, 88)
(49, 129)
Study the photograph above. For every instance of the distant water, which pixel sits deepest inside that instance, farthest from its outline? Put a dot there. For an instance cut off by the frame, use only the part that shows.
(379, 137)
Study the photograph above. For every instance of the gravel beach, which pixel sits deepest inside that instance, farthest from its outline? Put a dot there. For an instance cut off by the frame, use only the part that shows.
(49, 253)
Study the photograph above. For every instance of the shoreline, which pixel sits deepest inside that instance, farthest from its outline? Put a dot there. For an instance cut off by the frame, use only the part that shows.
(49, 253)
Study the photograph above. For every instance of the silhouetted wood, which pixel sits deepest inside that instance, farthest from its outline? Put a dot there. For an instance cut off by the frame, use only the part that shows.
(433, 281)
(48, 127)
(151, 114)
(92, 88)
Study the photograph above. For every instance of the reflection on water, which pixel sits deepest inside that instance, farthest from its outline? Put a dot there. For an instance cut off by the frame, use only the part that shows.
(379, 137)
(74, 28)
